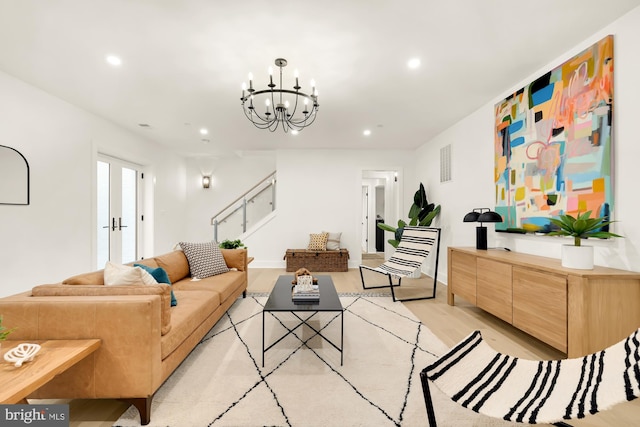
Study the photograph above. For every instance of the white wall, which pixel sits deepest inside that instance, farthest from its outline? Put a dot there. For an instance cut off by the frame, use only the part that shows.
(231, 177)
(52, 238)
(472, 185)
(320, 190)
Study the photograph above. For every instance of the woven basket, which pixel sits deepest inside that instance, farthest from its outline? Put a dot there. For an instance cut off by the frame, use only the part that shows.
(317, 261)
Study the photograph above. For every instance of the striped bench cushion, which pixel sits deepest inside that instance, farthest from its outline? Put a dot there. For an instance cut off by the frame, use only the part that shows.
(501, 386)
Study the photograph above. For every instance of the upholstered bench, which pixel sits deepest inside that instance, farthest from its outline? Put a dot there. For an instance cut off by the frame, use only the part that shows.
(317, 261)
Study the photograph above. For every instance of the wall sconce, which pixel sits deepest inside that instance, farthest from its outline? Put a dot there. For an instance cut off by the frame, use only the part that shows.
(206, 181)
(482, 215)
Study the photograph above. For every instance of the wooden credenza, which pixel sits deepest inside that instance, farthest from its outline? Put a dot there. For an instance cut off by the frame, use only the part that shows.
(576, 311)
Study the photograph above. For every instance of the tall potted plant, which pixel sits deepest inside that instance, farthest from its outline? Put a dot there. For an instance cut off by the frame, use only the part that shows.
(421, 213)
(582, 227)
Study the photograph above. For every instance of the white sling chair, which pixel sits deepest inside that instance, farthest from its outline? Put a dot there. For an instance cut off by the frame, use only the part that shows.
(536, 392)
(415, 245)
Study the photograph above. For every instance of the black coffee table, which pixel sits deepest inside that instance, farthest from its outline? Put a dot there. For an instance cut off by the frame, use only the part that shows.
(280, 301)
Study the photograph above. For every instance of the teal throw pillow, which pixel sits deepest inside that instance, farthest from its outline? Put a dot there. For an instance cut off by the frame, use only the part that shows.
(161, 276)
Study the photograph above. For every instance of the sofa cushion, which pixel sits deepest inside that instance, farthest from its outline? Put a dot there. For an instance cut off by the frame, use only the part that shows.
(118, 274)
(194, 308)
(175, 264)
(99, 290)
(224, 284)
(235, 258)
(205, 259)
(161, 276)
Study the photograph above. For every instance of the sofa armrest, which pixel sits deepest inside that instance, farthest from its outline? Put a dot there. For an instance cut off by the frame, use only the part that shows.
(128, 362)
(161, 289)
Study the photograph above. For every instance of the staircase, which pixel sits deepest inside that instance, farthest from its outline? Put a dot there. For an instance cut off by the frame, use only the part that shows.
(248, 212)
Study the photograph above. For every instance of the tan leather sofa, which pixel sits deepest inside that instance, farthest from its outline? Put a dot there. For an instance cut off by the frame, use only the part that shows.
(144, 339)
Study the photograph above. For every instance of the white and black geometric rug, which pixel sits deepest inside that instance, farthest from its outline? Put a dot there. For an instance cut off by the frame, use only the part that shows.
(222, 382)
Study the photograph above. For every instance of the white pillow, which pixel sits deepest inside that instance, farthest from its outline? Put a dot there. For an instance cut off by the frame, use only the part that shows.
(333, 242)
(118, 274)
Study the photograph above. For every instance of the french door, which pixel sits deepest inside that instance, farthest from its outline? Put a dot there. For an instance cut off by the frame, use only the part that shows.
(118, 216)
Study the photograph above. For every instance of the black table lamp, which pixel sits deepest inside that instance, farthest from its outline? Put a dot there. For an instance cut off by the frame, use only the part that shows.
(482, 215)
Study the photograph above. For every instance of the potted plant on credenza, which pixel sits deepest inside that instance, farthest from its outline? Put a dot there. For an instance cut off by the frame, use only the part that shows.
(576, 255)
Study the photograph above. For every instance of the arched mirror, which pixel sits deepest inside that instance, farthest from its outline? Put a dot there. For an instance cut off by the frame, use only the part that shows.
(14, 177)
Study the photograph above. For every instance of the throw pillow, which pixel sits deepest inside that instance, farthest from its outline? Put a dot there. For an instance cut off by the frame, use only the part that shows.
(118, 274)
(161, 276)
(333, 241)
(205, 259)
(318, 242)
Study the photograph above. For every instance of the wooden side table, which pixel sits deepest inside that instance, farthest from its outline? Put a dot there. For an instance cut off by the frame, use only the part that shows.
(55, 357)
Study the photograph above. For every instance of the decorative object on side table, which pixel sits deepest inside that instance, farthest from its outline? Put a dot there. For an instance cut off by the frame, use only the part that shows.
(24, 352)
(482, 215)
(582, 227)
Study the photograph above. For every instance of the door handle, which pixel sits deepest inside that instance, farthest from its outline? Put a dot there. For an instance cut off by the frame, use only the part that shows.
(113, 224)
(120, 226)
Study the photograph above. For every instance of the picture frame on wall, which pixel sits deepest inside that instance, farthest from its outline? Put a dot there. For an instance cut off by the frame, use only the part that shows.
(553, 144)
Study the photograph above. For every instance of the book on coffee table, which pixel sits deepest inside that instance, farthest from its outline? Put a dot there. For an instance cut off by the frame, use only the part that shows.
(301, 293)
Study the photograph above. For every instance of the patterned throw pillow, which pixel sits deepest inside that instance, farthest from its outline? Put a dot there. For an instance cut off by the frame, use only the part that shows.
(161, 276)
(333, 241)
(205, 259)
(318, 242)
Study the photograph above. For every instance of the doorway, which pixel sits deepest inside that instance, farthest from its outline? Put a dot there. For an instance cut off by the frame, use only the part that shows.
(118, 216)
(380, 203)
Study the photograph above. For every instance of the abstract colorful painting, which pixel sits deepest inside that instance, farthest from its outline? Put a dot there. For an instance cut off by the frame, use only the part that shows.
(553, 144)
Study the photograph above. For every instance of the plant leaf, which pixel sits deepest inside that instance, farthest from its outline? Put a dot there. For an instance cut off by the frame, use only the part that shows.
(420, 198)
(414, 211)
(426, 221)
(386, 227)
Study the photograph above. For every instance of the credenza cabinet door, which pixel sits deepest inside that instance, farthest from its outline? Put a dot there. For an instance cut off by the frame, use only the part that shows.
(540, 305)
(494, 290)
(463, 276)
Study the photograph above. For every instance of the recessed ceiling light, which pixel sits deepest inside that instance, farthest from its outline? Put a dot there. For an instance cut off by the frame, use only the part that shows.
(413, 63)
(204, 131)
(294, 132)
(366, 132)
(114, 60)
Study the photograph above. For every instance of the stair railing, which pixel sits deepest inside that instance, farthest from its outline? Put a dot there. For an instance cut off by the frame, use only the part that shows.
(250, 207)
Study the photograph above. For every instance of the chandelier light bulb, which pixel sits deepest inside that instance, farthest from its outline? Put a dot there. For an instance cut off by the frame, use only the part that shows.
(250, 76)
(244, 86)
(271, 71)
(286, 104)
(267, 102)
(306, 101)
(295, 73)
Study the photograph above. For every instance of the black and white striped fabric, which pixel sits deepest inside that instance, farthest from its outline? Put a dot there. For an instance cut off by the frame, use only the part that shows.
(477, 377)
(414, 247)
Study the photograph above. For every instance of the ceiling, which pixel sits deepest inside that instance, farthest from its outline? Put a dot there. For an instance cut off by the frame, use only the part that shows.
(183, 62)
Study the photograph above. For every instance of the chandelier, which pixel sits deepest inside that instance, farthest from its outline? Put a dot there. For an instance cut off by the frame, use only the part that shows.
(292, 109)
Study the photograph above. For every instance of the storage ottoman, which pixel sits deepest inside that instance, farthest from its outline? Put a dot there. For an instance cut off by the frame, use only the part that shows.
(317, 261)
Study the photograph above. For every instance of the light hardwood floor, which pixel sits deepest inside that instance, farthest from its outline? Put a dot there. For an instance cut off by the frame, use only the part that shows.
(449, 323)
